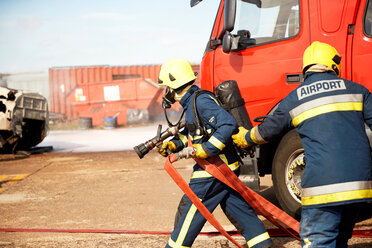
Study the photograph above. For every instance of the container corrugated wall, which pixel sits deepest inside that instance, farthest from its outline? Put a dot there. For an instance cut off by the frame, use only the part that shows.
(64, 80)
(115, 98)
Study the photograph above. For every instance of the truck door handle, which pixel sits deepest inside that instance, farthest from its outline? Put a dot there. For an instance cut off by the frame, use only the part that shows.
(294, 78)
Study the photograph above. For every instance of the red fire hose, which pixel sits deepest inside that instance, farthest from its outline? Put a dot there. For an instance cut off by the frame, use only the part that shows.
(217, 168)
(221, 171)
(272, 232)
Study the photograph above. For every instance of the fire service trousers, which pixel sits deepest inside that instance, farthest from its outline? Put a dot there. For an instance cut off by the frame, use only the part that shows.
(212, 193)
(328, 227)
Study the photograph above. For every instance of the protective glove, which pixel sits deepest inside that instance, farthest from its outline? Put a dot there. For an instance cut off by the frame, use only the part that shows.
(239, 138)
(200, 153)
(166, 145)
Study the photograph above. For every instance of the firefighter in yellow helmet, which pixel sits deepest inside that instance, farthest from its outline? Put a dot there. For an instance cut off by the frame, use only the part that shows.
(210, 128)
(177, 76)
(329, 113)
(321, 57)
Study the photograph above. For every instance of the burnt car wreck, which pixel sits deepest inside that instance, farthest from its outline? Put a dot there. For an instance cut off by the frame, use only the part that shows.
(23, 120)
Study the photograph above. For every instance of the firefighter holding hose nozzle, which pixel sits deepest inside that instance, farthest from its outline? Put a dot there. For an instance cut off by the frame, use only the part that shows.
(329, 113)
(209, 127)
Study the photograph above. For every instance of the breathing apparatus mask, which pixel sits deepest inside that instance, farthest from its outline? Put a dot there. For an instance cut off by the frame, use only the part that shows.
(170, 97)
(176, 75)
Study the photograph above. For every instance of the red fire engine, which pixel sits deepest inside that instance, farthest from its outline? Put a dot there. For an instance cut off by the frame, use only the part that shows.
(260, 44)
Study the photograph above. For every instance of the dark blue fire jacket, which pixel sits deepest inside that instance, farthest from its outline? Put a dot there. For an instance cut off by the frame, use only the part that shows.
(330, 114)
(219, 124)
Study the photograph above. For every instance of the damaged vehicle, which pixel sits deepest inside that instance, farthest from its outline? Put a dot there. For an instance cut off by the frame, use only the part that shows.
(23, 120)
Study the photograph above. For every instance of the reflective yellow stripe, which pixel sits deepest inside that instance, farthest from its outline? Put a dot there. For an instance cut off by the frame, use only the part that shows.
(196, 137)
(202, 173)
(336, 197)
(256, 136)
(223, 158)
(214, 100)
(173, 244)
(200, 136)
(324, 101)
(253, 136)
(258, 239)
(307, 242)
(234, 166)
(214, 141)
(333, 107)
(336, 188)
(186, 225)
(183, 138)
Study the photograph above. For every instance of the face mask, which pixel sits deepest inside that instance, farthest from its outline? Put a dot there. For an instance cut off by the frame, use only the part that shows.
(169, 95)
(168, 100)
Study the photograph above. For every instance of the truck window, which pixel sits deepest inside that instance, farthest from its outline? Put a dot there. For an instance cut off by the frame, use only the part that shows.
(268, 20)
(368, 19)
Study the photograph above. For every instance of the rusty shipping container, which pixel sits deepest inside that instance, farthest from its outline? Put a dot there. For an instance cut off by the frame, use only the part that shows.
(64, 82)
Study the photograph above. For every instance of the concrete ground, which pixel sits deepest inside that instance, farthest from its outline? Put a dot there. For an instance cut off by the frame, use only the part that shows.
(94, 180)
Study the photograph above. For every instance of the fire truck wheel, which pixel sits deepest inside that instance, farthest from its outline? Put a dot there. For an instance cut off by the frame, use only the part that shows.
(287, 170)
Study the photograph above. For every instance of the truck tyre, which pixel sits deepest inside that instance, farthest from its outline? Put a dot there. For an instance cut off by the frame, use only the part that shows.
(287, 170)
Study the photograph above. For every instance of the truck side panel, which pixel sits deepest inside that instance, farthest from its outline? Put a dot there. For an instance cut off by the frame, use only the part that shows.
(330, 23)
(207, 64)
(261, 70)
(362, 46)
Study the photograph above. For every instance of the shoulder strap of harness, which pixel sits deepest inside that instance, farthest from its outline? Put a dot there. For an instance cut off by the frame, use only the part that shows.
(200, 128)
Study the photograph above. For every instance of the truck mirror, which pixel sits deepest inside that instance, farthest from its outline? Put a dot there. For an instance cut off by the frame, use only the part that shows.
(229, 15)
(226, 42)
(229, 10)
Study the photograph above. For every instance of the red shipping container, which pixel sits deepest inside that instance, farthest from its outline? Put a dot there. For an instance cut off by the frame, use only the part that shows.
(115, 98)
(140, 89)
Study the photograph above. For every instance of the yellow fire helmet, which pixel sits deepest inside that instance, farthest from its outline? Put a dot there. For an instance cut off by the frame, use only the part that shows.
(321, 53)
(176, 73)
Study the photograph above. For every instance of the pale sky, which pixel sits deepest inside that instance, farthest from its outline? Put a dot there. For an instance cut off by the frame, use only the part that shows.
(38, 34)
